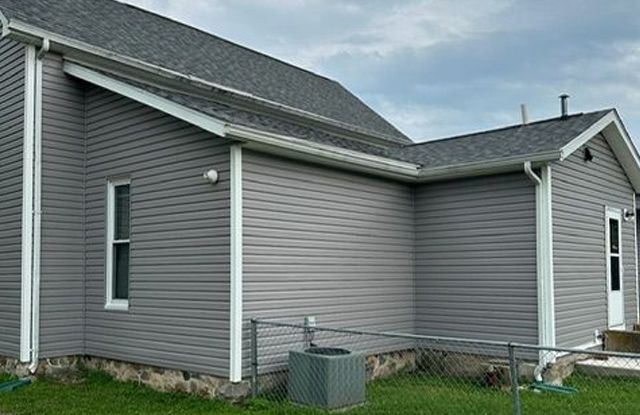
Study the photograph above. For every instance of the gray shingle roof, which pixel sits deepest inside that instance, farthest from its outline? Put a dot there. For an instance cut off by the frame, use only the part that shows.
(139, 34)
(509, 142)
(263, 122)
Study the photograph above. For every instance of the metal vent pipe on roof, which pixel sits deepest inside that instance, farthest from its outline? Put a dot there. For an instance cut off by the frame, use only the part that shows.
(564, 105)
(524, 113)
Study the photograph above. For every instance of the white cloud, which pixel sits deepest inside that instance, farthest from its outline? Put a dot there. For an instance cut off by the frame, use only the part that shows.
(331, 28)
(407, 26)
(198, 13)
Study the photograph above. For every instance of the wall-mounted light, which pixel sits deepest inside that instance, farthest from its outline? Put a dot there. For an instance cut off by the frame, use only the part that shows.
(628, 215)
(211, 176)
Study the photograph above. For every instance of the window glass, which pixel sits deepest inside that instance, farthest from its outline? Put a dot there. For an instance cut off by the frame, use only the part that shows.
(121, 271)
(614, 236)
(615, 273)
(121, 212)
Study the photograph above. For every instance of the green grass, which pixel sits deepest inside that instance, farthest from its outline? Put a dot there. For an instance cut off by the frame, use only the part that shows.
(99, 394)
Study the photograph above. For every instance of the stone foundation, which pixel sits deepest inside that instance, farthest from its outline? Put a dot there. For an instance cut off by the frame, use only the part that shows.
(10, 366)
(68, 370)
(384, 365)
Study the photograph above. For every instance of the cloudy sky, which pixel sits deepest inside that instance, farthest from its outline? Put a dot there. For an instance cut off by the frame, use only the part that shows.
(436, 67)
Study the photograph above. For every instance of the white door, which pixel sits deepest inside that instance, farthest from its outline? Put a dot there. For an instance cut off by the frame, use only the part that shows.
(615, 269)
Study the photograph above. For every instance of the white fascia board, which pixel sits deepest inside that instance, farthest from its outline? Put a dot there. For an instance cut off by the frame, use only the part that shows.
(298, 148)
(140, 95)
(348, 158)
(486, 167)
(30, 33)
(586, 135)
(5, 25)
(27, 205)
(616, 135)
(236, 298)
(257, 139)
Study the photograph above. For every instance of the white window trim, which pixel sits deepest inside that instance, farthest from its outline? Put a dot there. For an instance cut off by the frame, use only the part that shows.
(110, 302)
(613, 213)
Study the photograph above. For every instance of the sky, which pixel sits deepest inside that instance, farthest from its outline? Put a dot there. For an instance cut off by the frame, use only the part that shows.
(437, 68)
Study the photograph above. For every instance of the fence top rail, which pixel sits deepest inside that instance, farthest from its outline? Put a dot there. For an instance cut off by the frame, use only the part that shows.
(494, 343)
(380, 333)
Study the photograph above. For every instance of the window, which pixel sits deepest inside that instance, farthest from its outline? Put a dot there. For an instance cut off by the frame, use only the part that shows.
(614, 253)
(118, 244)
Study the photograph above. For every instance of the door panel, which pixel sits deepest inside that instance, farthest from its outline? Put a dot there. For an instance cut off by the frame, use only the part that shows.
(615, 270)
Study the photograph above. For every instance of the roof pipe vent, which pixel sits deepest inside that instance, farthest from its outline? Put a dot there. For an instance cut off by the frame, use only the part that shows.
(524, 113)
(564, 105)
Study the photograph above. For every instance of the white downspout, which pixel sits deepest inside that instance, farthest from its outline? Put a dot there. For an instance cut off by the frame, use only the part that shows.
(544, 267)
(236, 284)
(531, 174)
(37, 208)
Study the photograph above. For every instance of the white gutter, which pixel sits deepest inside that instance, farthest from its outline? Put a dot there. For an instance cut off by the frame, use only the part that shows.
(544, 259)
(487, 167)
(254, 138)
(29, 33)
(265, 141)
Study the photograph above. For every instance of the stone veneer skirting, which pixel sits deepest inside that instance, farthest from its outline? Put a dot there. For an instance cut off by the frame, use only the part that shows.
(378, 366)
(164, 380)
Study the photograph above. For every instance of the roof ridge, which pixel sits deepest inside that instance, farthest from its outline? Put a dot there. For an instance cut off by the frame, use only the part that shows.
(508, 127)
(231, 42)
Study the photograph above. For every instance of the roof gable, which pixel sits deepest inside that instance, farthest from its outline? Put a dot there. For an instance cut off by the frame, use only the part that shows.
(128, 31)
(615, 134)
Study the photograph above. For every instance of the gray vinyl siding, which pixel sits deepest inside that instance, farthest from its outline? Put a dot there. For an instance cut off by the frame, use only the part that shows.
(476, 259)
(581, 190)
(179, 274)
(327, 243)
(62, 235)
(12, 70)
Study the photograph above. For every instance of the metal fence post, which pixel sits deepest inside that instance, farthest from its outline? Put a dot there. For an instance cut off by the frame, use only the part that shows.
(513, 375)
(254, 358)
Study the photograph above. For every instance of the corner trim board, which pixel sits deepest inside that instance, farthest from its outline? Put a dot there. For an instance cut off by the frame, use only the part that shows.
(236, 317)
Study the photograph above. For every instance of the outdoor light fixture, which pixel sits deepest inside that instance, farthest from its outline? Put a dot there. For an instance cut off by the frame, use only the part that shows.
(211, 176)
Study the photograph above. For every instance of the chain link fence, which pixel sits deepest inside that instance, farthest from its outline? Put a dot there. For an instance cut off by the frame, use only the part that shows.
(304, 369)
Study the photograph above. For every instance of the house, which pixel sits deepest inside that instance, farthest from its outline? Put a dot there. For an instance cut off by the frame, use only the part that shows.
(161, 186)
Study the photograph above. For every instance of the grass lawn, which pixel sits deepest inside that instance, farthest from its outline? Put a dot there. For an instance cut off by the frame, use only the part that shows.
(99, 394)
